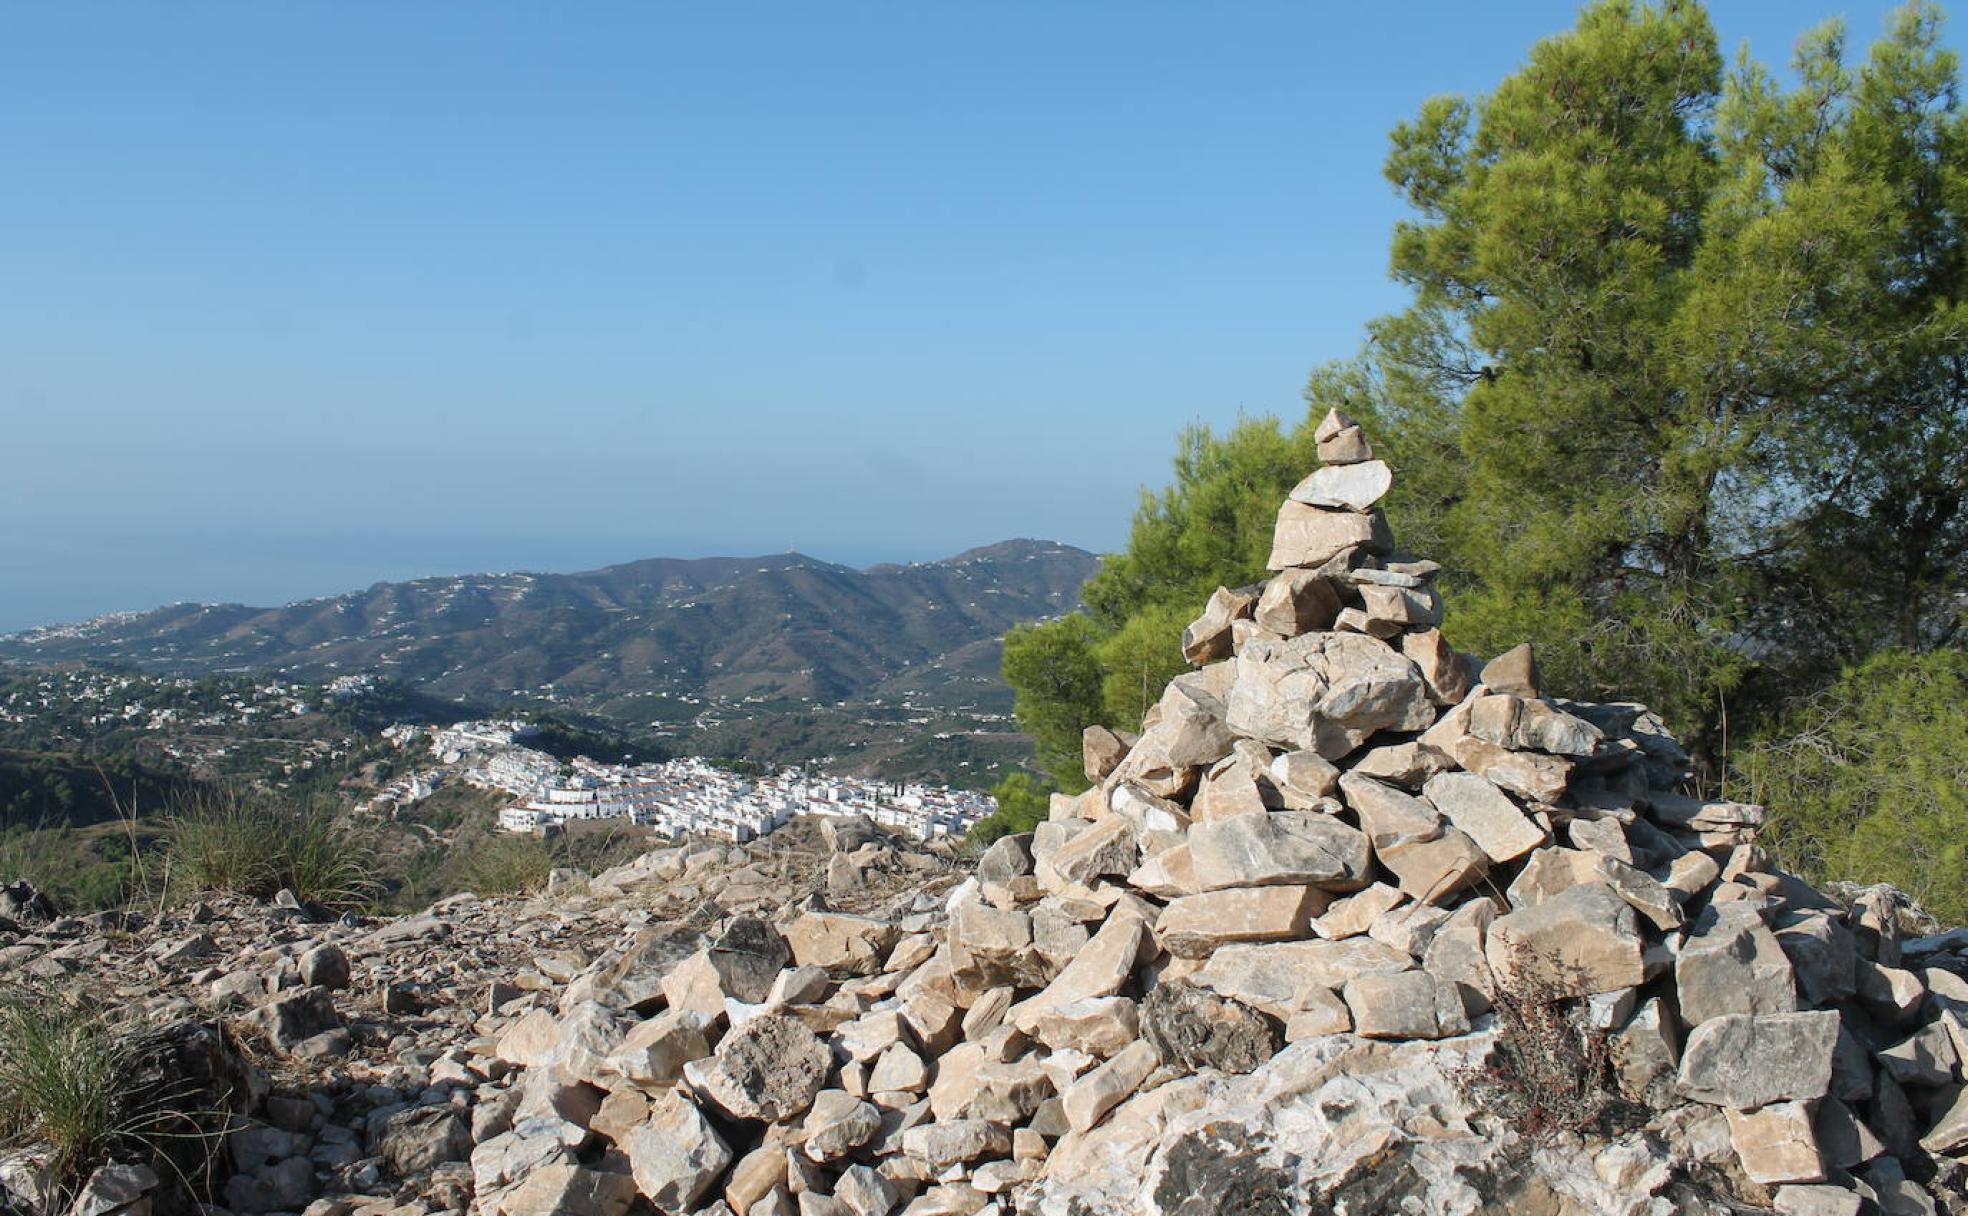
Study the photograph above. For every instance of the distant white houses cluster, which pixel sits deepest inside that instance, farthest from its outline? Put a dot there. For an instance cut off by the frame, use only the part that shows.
(690, 796)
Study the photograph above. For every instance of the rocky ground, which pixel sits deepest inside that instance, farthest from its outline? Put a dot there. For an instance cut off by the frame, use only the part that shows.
(1356, 925)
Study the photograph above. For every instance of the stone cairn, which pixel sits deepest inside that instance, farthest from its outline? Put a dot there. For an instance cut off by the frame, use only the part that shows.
(1336, 827)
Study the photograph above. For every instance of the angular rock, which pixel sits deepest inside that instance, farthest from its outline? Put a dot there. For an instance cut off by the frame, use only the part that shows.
(1485, 814)
(1297, 601)
(1776, 1144)
(1748, 1060)
(1194, 1028)
(1523, 724)
(1445, 670)
(676, 1156)
(1576, 943)
(770, 1068)
(1308, 536)
(1102, 749)
(1731, 963)
(1279, 848)
(1347, 487)
(1514, 672)
(1194, 926)
(1087, 1101)
(1407, 1005)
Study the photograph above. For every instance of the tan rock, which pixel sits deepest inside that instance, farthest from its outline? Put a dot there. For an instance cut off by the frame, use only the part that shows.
(1100, 1026)
(1405, 764)
(1089, 1099)
(1356, 913)
(1576, 943)
(1305, 774)
(840, 943)
(1308, 536)
(1272, 978)
(1407, 1005)
(1445, 670)
(1167, 875)
(1102, 969)
(1297, 601)
(1102, 750)
(1402, 605)
(1279, 848)
(1229, 789)
(1523, 724)
(1110, 848)
(1775, 1143)
(946, 1143)
(1514, 672)
(1532, 775)
(655, 1050)
(1349, 446)
(1195, 925)
(1434, 870)
(676, 1156)
(1550, 872)
(1485, 814)
(1207, 638)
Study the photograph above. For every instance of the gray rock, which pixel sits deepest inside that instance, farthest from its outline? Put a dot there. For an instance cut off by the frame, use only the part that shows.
(1279, 848)
(1748, 1060)
(770, 1068)
(1194, 1028)
(424, 1136)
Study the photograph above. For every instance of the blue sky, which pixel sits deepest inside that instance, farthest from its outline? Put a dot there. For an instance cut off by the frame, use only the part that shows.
(300, 297)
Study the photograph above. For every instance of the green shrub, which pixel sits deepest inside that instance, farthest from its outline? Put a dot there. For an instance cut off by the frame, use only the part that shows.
(1868, 781)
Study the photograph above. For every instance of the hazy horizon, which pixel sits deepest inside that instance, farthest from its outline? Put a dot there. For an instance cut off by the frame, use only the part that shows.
(309, 298)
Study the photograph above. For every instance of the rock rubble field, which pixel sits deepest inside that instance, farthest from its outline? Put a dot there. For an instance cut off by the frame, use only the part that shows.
(1266, 964)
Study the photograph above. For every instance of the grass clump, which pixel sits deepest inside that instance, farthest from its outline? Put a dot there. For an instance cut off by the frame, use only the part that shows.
(226, 844)
(75, 1092)
(507, 864)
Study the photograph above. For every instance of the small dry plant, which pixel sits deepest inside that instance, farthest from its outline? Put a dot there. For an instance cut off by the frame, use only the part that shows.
(1551, 1072)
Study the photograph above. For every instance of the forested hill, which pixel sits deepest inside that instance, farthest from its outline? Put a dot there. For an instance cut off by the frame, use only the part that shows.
(785, 626)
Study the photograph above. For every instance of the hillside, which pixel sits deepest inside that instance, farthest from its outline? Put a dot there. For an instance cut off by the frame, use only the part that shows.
(668, 646)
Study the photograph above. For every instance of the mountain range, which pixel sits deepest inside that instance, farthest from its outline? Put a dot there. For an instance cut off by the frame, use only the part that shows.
(663, 643)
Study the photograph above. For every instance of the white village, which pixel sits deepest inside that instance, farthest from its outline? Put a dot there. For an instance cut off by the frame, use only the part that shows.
(683, 797)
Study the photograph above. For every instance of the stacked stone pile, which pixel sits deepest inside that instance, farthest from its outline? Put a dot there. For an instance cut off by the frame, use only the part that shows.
(1240, 972)
(1250, 971)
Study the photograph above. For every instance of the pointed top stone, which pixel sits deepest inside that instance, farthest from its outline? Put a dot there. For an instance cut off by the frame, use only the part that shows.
(1515, 671)
(1333, 423)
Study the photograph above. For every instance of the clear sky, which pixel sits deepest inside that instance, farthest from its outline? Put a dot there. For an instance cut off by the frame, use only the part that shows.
(303, 296)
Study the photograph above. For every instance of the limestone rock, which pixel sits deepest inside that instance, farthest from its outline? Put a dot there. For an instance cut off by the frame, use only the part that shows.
(1297, 601)
(1194, 1028)
(1406, 1005)
(1279, 848)
(1776, 1143)
(1485, 814)
(770, 1068)
(1308, 536)
(1748, 1060)
(1195, 925)
(1514, 672)
(1576, 943)
(676, 1156)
